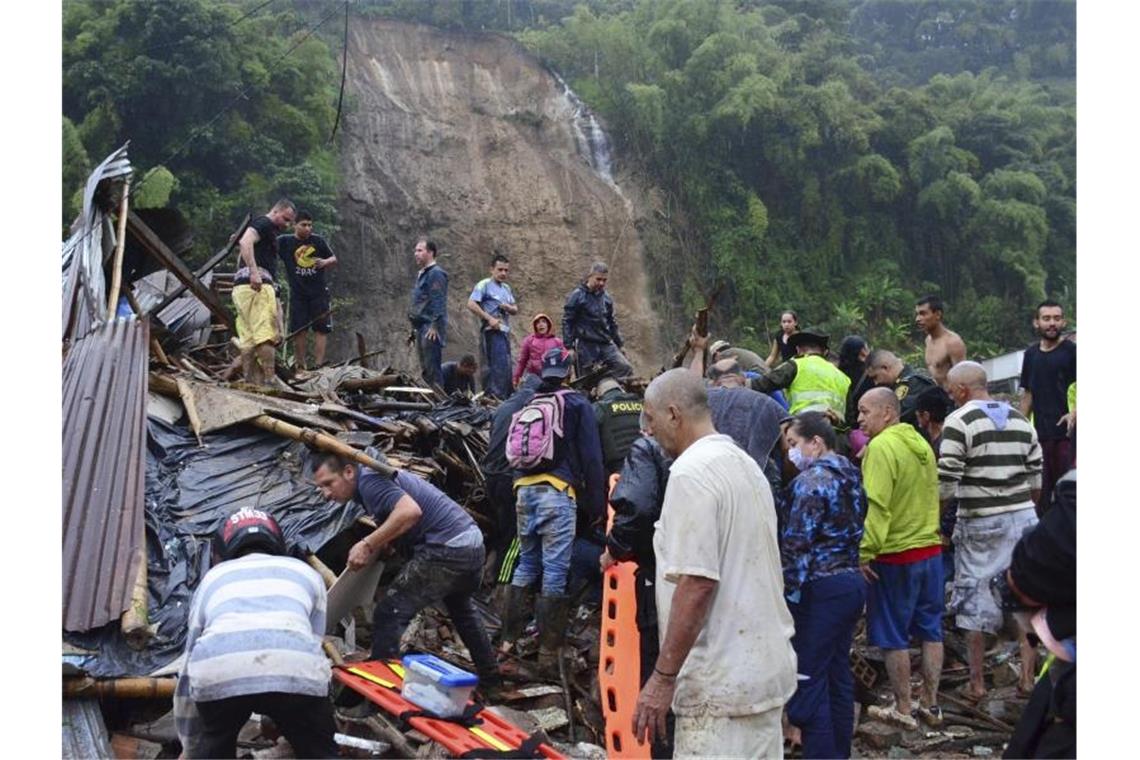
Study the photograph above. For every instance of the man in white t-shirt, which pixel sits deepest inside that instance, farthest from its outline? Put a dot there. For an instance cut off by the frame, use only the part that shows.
(726, 664)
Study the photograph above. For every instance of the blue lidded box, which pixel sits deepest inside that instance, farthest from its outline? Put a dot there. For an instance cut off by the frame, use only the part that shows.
(437, 685)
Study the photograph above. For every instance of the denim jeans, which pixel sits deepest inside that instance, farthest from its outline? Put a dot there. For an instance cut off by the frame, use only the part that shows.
(497, 359)
(823, 706)
(546, 519)
(434, 574)
(430, 353)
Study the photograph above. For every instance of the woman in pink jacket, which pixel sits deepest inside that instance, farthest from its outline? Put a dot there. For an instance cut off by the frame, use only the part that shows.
(535, 345)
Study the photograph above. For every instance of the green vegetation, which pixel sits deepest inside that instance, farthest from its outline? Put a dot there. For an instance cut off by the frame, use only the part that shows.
(817, 167)
(221, 118)
(839, 157)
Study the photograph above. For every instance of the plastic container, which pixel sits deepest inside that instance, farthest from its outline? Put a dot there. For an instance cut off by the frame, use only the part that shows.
(437, 685)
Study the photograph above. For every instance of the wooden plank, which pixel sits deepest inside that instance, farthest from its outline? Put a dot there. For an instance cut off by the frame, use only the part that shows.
(216, 259)
(158, 249)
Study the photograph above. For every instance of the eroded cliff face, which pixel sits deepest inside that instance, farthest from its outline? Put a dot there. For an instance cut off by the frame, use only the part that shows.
(467, 139)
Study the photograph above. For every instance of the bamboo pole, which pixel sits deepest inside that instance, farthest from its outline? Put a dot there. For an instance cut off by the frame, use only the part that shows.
(368, 383)
(331, 652)
(122, 688)
(390, 733)
(134, 622)
(120, 244)
(155, 346)
(322, 569)
(322, 441)
(169, 387)
(187, 395)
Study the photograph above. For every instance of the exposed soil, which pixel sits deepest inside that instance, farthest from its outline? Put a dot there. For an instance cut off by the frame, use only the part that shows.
(466, 138)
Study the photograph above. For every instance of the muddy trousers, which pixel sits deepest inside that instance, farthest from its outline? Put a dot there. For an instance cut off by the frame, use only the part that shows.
(704, 735)
(306, 721)
(435, 574)
(823, 706)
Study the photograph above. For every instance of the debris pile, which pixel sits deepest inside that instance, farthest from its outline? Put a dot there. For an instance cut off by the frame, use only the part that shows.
(161, 443)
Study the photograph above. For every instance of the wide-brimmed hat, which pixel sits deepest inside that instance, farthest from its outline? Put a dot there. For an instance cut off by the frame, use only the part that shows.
(810, 335)
(718, 345)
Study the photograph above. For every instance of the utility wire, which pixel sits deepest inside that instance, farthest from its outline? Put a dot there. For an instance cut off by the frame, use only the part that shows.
(229, 107)
(188, 40)
(241, 95)
(343, 74)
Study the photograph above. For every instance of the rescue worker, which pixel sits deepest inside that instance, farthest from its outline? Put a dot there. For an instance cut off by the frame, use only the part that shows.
(251, 651)
(813, 383)
(889, 371)
(750, 361)
(618, 413)
(589, 328)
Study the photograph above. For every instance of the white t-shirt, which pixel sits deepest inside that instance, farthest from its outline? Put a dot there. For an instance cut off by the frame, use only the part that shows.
(718, 521)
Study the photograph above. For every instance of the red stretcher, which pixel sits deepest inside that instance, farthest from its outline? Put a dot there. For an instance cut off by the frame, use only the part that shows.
(380, 682)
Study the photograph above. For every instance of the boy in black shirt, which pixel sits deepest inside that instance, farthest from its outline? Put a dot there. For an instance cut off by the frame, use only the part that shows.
(1047, 371)
(306, 255)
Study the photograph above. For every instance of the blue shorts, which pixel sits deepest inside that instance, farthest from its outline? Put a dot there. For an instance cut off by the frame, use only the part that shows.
(906, 601)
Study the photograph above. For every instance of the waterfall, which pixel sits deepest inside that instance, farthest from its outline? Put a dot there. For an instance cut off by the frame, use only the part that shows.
(593, 143)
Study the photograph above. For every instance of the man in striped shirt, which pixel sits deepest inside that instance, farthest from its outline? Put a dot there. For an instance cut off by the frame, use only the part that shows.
(990, 461)
(254, 645)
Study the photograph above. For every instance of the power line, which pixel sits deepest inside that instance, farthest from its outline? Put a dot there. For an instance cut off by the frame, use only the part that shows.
(188, 40)
(343, 74)
(229, 107)
(241, 95)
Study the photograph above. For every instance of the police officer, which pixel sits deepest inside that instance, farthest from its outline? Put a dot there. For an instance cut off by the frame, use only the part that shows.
(813, 383)
(889, 371)
(618, 413)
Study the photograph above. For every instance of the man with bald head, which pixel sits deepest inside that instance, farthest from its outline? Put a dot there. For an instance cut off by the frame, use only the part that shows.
(887, 370)
(726, 663)
(900, 554)
(991, 461)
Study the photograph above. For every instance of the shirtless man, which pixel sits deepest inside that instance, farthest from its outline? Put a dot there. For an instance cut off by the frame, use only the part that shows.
(944, 347)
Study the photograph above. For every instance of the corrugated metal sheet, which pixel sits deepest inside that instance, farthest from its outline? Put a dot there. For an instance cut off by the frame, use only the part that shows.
(104, 440)
(84, 284)
(84, 732)
(186, 318)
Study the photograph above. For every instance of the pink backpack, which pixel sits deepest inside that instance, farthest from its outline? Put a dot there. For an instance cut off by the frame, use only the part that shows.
(534, 431)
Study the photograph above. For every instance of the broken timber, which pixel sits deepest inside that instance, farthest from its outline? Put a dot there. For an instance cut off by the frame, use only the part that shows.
(158, 249)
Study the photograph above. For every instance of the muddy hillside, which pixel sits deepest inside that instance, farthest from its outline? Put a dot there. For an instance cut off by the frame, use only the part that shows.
(467, 138)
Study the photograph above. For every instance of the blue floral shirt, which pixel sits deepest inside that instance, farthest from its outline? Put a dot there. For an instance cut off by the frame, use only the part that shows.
(823, 508)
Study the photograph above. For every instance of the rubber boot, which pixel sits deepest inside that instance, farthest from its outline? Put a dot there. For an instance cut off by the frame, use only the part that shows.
(553, 618)
(516, 612)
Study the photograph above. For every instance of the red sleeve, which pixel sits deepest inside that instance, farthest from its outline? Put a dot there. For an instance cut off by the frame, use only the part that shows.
(524, 353)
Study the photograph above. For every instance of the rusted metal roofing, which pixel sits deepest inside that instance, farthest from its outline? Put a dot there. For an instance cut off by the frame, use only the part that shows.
(104, 466)
(84, 283)
(84, 732)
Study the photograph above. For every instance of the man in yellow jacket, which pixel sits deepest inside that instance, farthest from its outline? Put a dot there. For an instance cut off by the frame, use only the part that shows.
(900, 554)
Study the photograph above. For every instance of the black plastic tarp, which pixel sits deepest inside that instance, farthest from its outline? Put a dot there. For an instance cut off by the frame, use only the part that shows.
(190, 490)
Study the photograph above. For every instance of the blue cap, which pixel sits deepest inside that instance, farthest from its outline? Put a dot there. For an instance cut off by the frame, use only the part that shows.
(555, 363)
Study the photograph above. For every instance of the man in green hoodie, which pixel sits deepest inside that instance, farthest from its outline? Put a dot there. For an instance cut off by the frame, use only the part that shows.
(900, 554)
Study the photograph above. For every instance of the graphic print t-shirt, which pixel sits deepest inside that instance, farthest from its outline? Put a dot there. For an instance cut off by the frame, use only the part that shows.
(300, 259)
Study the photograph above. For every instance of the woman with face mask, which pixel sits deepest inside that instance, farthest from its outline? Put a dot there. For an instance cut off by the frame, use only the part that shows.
(819, 545)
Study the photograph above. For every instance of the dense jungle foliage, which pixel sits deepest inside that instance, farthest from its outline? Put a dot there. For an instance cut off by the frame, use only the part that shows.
(839, 157)
(222, 114)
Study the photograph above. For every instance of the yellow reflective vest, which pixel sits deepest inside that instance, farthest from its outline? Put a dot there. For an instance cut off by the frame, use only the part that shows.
(817, 386)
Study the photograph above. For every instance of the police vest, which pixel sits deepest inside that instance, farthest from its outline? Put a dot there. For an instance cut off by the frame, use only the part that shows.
(619, 424)
(818, 386)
